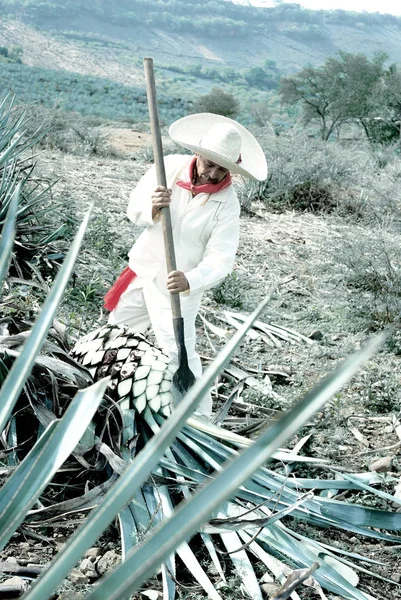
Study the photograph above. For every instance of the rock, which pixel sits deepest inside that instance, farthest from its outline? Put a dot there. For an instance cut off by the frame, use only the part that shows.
(151, 595)
(70, 596)
(34, 558)
(269, 588)
(24, 545)
(316, 335)
(92, 553)
(77, 576)
(396, 577)
(88, 569)
(107, 562)
(12, 560)
(395, 549)
(60, 542)
(382, 465)
(15, 584)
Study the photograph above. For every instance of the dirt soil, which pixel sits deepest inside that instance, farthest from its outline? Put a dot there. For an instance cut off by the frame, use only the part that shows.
(295, 252)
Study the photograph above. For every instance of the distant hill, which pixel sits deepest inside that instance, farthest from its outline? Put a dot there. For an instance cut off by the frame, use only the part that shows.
(196, 45)
(103, 38)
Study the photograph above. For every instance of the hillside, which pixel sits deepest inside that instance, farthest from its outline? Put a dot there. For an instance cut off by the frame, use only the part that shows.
(96, 38)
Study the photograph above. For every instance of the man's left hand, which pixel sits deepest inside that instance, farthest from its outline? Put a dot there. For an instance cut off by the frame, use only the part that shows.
(177, 282)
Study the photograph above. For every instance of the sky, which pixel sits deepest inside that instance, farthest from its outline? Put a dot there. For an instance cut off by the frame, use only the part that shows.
(392, 7)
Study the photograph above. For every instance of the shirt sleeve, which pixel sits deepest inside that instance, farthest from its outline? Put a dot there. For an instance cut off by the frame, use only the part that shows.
(139, 209)
(219, 257)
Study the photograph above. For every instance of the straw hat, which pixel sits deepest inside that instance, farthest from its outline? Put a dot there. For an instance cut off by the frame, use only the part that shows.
(223, 141)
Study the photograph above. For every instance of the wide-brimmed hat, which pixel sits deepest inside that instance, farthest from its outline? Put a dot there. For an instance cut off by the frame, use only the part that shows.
(223, 141)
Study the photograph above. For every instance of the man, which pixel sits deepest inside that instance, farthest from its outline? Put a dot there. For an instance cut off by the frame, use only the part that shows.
(205, 220)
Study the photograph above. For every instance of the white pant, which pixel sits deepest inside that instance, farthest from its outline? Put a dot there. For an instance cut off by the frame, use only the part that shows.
(142, 307)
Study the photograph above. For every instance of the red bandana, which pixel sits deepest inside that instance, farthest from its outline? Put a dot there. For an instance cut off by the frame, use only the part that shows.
(206, 188)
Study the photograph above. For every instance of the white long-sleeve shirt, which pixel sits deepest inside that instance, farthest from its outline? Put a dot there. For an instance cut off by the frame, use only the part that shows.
(205, 229)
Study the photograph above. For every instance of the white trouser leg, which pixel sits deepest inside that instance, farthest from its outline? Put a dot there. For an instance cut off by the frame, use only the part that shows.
(131, 310)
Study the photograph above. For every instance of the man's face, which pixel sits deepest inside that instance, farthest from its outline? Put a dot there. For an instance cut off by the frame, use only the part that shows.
(208, 171)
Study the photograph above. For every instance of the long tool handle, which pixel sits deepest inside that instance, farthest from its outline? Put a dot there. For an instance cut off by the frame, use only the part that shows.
(161, 177)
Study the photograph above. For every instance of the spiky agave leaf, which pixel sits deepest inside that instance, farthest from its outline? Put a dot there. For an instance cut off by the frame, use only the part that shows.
(128, 485)
(53, 447)
(7, 236)
(38, 235)
(54, 380)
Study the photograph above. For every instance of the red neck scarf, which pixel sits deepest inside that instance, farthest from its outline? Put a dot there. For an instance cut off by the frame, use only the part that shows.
(206, 188)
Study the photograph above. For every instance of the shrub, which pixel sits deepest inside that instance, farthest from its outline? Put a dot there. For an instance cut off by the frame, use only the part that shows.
(218, 102)
(372, 267)
(380, 392)
(12, 55)
(308, 174)
(230, 292)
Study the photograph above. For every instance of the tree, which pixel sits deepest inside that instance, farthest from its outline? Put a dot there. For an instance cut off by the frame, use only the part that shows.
(260, 78)
(385, 126)
(218, 102)
(12, 55)
(340, 91)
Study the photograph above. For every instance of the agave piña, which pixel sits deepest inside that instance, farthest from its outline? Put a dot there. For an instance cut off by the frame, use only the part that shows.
(140, 373)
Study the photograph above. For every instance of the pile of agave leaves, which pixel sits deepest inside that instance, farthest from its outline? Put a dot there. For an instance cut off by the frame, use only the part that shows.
(166, 477)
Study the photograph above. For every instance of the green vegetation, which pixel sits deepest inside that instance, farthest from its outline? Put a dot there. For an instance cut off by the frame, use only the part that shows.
(87, 95)
(214, 18)
(11, 55)
(348, 89)
(40, 242)
(265, 77)
(218, 102)
(307, 32)
(230, 292)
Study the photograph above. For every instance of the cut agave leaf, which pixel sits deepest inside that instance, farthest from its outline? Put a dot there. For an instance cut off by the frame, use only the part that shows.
(27, 482)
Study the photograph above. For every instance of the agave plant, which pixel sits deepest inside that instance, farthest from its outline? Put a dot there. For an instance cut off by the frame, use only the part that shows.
(54, 444)
(39, 243)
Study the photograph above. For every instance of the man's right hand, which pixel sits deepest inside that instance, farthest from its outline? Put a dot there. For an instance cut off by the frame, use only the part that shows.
(161, 197)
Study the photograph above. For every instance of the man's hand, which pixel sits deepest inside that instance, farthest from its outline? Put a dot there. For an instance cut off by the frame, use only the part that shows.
(177, 282)
(161, 197)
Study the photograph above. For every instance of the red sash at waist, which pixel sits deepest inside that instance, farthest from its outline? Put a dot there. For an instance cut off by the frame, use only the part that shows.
(115, 292)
